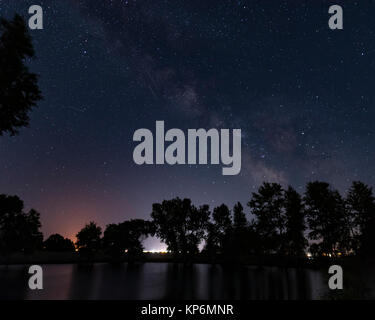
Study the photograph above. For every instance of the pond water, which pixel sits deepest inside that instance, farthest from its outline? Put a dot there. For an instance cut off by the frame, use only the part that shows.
(163, 281)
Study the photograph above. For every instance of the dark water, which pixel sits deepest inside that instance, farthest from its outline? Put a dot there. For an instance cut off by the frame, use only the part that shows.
(163, 281)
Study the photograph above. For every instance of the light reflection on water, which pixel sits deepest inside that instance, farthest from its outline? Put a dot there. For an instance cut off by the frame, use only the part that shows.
(163, 281)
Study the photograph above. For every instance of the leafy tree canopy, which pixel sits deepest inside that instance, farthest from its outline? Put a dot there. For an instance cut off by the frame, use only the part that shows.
(19, 91)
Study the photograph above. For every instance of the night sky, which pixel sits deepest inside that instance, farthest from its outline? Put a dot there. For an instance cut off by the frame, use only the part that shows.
(302, 94)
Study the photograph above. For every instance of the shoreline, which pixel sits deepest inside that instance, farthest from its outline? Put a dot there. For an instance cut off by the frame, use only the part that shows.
(262, 261)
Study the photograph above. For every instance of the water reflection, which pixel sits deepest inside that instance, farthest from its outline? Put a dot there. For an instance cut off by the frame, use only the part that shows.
(163, 281)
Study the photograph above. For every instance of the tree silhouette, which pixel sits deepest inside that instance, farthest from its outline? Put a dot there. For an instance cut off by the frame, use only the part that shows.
(19, 231)
(242, 236)
(239, 217)
(58, 243)
(197, 226)
(337, 226)
(219, 230)
(88, 239)
(325, 211)
(180, 224)
(32, 236)
(19, 91)
(126, 236)
(294, 239)
(368, 239)
(268, 207)
(361, 215)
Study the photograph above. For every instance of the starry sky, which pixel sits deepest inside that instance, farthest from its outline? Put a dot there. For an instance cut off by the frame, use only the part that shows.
(302, 94)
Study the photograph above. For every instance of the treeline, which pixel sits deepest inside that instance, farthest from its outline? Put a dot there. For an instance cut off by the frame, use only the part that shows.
(279, 222)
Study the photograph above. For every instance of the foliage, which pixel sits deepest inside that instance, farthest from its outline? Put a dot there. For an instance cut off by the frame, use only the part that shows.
(19, 91)
(180, 224)
(268, 207)
(219, 230)
(326, 217)
(88, 239)
(58, 243)
(294, 239)
(361, 215)
(336, 225)
(19, 231)
(127, 236)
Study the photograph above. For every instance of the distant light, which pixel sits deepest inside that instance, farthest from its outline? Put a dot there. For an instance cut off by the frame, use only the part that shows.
(154, 251)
